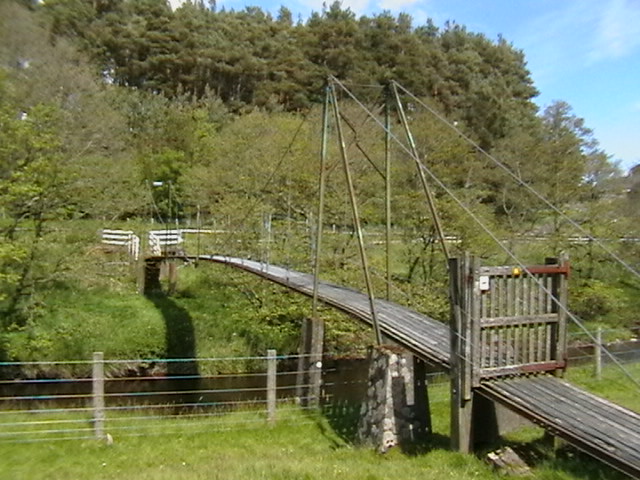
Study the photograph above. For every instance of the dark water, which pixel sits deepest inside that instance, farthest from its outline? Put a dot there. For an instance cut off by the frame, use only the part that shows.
(343, 381)
(624, 352)
(344, 386)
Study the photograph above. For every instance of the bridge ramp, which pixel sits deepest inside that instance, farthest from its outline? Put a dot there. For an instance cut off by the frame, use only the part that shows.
(598, 427)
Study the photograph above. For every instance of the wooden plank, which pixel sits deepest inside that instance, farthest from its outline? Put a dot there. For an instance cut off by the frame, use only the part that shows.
(517, 271)
(506, 271)
(517, 347)
(509, 284)
(484, 348)
(519, 320)
(588, 401)
(500, 350)
(573, 407)
(527, 368)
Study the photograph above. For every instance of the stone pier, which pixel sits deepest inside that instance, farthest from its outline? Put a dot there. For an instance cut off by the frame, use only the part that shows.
(395, 411)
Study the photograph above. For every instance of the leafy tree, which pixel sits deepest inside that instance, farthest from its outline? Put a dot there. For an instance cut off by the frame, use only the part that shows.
(31, 189)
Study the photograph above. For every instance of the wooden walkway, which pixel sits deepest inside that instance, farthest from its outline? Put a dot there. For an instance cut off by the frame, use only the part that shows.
(425, 337)
(605, 430)
(602, 429)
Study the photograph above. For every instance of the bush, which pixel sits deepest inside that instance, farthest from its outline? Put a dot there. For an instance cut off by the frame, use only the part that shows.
(595, 300)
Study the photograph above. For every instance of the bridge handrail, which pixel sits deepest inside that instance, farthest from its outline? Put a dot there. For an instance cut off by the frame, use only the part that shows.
(123, 238)
(164, 238)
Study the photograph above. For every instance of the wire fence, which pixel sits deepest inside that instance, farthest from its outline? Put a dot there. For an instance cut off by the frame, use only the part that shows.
(116, 399)
(134, 402)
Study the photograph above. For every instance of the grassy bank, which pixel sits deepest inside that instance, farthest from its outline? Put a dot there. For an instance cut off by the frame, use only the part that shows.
(302, 445)
(216, 311)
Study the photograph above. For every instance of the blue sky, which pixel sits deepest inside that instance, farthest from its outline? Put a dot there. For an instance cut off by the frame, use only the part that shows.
(585, 52)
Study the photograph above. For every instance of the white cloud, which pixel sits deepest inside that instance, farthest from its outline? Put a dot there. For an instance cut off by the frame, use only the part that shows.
(396, 5)
(579, 33)
(618, 30)
(357, 6)
(176, 3)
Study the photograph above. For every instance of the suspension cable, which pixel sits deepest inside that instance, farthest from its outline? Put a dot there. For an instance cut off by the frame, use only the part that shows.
(488, 231)
(520, 182)
(252, 207)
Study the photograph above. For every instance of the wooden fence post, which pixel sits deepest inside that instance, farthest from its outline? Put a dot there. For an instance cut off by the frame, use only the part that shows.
(597, 350)
(271, 386)
(98, 395)
(315, 369)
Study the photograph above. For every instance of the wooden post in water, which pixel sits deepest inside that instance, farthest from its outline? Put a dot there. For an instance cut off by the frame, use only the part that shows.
(172, 268)
(271, 386)
(422, 411)
(315, 361)
(98, 395)
(303, 360)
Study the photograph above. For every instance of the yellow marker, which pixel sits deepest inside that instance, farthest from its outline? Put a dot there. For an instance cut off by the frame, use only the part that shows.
(516, 271)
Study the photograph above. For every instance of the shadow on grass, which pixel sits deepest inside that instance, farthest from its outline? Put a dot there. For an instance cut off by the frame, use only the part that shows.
(180, 346)
(341, 420)
(540, 453)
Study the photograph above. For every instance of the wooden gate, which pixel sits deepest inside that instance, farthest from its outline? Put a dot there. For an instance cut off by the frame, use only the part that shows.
(505, 321)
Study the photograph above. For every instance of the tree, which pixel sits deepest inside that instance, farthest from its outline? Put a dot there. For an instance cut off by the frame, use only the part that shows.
(31, 193)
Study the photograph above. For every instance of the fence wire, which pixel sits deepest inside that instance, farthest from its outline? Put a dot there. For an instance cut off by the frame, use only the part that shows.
(55, 409)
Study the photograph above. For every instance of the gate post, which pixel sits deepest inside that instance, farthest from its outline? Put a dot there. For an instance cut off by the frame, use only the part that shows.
(559, 290)
(462, 307)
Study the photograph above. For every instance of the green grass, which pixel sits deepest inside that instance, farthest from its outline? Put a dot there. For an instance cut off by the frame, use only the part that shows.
(614, 385)
(302, 446)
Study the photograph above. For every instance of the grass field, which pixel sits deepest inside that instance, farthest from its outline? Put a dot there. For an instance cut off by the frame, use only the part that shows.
(303, 448)
(303, 445)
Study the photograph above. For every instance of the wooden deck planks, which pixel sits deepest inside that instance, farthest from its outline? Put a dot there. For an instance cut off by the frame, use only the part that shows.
(599, 427)
(424, 336)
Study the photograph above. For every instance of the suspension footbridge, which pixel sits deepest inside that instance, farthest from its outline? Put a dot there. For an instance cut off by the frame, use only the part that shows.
(507, 339)
(592, 424)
